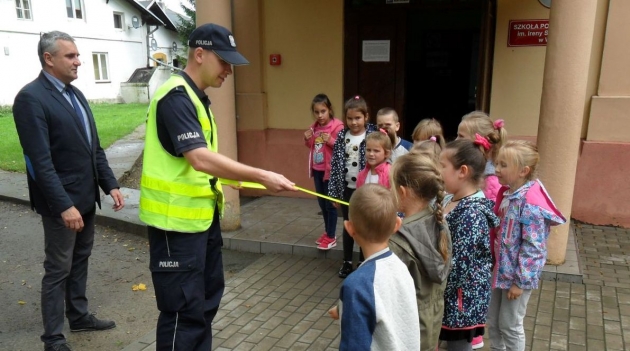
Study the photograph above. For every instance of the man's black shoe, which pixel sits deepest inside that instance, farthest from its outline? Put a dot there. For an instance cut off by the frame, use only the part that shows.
(58, 347)
(91, 323)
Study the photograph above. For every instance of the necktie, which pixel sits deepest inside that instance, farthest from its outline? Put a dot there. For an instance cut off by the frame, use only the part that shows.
(81, 115)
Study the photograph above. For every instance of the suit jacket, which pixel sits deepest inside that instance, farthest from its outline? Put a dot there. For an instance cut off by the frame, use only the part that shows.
(63, 168)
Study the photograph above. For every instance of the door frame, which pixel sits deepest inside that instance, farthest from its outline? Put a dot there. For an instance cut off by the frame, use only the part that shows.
(374, 13)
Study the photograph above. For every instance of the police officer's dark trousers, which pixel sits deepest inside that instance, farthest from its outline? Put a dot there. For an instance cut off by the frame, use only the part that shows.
(187, 271)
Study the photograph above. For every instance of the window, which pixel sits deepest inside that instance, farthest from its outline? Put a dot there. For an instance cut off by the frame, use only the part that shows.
(23, 8)
(101, 74)
(74, 9)
(118, 20)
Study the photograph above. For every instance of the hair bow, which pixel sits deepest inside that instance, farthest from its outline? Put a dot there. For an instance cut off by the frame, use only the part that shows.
(357, 97)
(479, 140)
(433, 138)
(383, 131)
(498, 124)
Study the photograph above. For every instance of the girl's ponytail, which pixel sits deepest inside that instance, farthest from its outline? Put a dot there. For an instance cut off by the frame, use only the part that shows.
(439, 217)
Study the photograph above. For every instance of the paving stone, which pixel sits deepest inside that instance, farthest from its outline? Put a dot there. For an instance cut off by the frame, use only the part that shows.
(294, 318)
(558, 342)
(280, 331)
(257, 335)
(543, 332)
(299, 346)
(577, 323)
(577, 337)
(287, 340)
(614, 342)
(559, 327)
(234, 340)
(265, 344)
(595, 332)
(611, 327)
(244, 346)
(302, 327)
(310, 336)
(544, 318)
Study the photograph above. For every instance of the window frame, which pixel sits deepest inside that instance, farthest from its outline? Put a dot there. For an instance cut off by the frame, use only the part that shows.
(122, 20)
(100, 79)
(21, 9)
(74, 10)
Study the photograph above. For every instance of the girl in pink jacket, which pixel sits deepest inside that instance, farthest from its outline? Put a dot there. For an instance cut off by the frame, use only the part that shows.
(320, 139)
(493, 136)
(378, 148)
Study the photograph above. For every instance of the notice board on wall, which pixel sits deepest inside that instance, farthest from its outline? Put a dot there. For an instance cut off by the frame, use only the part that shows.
(528, 32)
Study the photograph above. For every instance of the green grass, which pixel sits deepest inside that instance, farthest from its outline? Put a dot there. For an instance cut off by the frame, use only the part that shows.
(112, 120)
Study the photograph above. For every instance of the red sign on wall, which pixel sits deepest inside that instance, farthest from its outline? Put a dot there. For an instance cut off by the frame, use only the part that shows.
(528, 33)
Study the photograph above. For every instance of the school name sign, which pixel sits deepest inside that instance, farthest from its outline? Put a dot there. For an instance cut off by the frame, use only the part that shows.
(528, 33)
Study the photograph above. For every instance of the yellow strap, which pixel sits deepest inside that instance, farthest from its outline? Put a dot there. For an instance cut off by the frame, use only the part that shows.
(253, 185)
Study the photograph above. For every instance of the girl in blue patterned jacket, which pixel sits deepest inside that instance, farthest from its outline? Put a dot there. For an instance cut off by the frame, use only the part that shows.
(520, 243)
(347, 160)
(470, 217)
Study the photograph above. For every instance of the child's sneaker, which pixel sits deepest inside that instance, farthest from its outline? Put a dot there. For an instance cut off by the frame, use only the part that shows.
(327, 243)
(477, 342)
(318, 241)
(345, 269)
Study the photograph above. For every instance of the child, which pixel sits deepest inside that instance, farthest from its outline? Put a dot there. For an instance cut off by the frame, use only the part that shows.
(377, 304)
(520, 246)
(478, 122)
(387, 118)
(428, 128)
(469, 216)
(378, 148)
(348, 159)
(423, 242)
(320, 139)
(429, 148)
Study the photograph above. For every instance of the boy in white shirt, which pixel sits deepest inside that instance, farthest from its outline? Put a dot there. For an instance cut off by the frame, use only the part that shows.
(377, 307)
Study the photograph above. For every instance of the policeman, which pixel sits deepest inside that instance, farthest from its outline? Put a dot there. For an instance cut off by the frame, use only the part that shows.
(181, 198)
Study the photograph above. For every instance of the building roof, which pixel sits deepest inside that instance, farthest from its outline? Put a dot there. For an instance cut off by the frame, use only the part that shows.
(170, 18)
(146, 15)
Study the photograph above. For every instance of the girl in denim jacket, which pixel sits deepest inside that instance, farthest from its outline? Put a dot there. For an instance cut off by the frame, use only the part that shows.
(520, 244)
(348, 160)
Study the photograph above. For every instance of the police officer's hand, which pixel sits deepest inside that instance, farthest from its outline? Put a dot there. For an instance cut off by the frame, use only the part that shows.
(277, 182)
(72, 219)
(119, 199)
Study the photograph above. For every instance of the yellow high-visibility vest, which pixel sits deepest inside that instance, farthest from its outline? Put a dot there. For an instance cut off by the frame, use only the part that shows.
(173, 195)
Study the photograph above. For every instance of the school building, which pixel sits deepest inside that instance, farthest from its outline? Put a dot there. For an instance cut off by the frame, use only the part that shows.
(557, 75)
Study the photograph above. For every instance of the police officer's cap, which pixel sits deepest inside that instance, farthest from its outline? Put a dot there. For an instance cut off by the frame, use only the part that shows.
(219, 39)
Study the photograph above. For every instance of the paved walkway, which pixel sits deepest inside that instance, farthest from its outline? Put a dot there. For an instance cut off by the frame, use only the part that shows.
(280, 301)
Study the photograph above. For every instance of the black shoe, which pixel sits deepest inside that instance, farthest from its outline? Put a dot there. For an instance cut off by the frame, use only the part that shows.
(58, 347)
(91, 323)
(345, 269)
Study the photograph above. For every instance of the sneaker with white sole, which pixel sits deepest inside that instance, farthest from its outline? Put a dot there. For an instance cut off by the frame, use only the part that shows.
(477, 342)
(327, 243)
(318, 241)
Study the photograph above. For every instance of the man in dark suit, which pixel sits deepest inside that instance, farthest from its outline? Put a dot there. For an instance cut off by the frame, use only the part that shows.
(65, 166)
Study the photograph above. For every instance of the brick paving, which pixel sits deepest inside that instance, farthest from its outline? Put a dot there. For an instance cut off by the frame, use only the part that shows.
(280, 303)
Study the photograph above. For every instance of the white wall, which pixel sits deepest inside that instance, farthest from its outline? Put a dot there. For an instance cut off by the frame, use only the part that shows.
(126, 48)
(165, 39)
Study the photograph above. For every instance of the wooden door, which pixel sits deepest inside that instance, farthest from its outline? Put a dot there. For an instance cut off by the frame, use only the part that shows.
(380, 83)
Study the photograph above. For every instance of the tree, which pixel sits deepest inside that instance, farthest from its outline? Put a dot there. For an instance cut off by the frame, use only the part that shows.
(187, 23)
